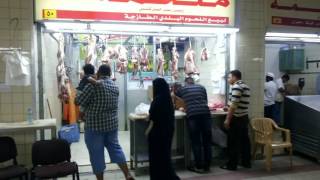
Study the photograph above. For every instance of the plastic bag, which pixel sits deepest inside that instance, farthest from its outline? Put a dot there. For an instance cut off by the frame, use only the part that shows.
(142, 109)
(70, 133)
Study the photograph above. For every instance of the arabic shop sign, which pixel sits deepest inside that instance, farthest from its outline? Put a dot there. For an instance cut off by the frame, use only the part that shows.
(295, 13)
(210, 12)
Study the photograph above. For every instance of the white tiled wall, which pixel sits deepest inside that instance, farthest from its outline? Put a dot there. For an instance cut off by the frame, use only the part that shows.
(16, 20)
(310, 74)
(250, 50)
(50, 89)
(215, 64)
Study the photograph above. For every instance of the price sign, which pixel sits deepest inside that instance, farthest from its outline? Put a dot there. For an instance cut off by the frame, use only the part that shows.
(49, 14)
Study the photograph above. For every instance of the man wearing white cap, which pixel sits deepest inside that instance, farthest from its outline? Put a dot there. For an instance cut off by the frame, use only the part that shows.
(270, 92)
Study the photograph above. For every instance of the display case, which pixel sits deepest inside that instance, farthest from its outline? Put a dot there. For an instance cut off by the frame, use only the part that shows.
(302, 117)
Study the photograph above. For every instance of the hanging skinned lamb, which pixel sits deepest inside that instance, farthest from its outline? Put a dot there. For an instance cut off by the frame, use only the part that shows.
(144, 61)
(135, 60)
(189, 63)
(174, 63)
(92, 54)
(62, 78)
(108, 54)
(160, 61)
(204, 54)
(122, 60)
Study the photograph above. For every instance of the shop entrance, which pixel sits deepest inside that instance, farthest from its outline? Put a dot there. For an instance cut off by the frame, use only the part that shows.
(210, 53)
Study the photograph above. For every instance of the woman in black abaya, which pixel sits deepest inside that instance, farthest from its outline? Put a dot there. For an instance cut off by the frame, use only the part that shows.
(160, 132)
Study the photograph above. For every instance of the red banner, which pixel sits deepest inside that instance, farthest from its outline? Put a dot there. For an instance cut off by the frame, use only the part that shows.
(206, 12)
(286, 21)
(140, 17)
(223, 3)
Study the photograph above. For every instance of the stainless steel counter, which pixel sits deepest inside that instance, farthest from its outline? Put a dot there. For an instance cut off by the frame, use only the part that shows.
(302, 117)
(181, 143)
(37, 125)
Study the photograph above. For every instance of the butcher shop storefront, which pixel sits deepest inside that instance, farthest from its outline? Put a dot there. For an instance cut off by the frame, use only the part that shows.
(140, 40)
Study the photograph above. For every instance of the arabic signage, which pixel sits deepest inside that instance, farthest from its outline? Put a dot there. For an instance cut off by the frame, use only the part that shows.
(295, 22)
(209, 12)
(298, 13)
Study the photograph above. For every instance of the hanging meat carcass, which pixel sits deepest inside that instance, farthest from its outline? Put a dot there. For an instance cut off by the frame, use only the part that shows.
(204, 54)
(144, 61)
(108, 54)
(135, 60)
(92, 56)
(189, 63)
(161, 61)
(122, 61)
(174, 64)
(62, 78)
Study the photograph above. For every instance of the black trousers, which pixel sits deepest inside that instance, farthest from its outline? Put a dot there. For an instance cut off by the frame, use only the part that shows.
(200, 131)
(238, 142)
(269, 111)
(160, 140)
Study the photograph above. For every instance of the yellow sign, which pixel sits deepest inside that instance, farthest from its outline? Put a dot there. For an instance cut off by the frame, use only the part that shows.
(49, 14)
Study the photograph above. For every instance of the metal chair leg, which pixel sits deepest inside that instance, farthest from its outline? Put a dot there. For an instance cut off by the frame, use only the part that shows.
(290, 151)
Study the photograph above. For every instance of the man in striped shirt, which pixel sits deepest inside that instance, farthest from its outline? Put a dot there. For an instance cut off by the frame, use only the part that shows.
(237, 123)
(199, 123)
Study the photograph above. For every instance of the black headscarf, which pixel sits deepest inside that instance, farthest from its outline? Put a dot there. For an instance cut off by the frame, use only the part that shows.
(160, 88)
(161, 97)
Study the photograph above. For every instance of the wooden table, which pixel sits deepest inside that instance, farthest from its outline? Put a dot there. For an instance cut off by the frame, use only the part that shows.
(37, 125)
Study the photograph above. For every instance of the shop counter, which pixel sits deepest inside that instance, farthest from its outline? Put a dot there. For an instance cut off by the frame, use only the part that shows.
(180, 147)
(218, 117)
(37, 125)
(138, 140)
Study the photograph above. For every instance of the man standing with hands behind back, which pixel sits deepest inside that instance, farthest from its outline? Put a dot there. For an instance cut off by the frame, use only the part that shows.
(237, 122)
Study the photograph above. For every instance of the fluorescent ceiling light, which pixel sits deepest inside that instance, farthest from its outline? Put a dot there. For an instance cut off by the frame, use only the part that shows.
(293, 39)
(281, 39)
(202, 30)
(293, 35)
(136, 29)
(56, 26)
(315, 40)
(160, 28)
(154, 34)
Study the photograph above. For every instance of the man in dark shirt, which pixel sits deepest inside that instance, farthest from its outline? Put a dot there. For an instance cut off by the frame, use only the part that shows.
(199, 123)
(88, 70)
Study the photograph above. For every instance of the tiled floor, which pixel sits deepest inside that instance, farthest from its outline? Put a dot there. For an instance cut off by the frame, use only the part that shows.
(80, 153)
(303, 168)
